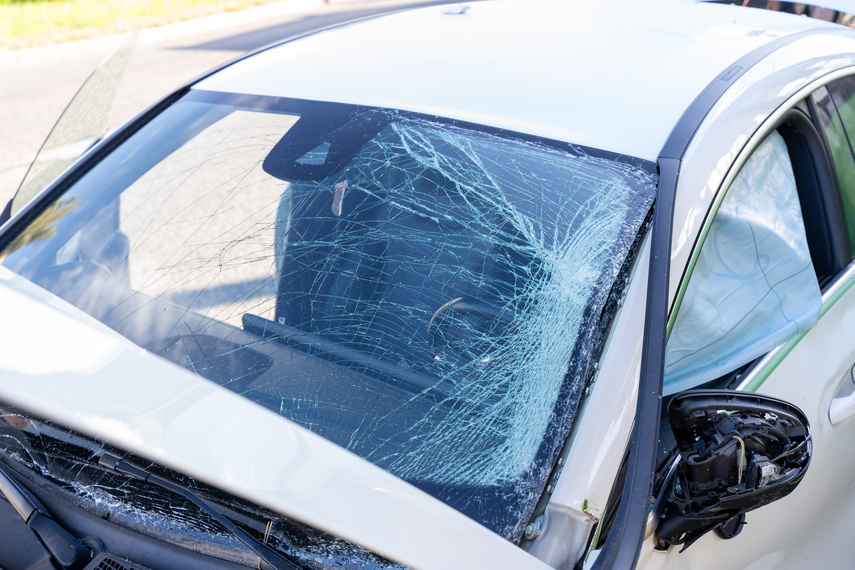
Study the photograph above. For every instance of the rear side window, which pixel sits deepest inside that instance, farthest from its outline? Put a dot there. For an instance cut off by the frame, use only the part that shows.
(753, 285)
(837, 114)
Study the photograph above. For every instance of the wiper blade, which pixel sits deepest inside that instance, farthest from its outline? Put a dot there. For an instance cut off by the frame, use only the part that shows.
(262, 550)
(63, 546)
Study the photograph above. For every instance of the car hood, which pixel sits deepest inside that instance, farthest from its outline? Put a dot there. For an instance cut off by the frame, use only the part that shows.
(63, 365)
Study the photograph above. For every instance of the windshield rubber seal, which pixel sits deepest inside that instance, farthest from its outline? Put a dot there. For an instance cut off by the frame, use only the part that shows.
(623, 545)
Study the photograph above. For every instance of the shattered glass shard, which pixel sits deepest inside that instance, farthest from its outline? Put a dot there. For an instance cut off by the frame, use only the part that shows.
(316, 156)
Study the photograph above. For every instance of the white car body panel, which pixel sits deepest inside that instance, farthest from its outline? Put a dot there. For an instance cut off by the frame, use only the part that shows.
(412, 61)
(820, 508)
(722, 137)
(408, 61)
(101, 384)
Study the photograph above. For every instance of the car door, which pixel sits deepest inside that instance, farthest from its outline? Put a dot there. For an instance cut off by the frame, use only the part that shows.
(767, 307)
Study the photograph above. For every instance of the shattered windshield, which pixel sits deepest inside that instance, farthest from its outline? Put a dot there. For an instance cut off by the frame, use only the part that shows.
(427, 294)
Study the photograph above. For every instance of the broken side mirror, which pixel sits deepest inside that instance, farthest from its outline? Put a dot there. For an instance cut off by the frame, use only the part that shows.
(738, 452)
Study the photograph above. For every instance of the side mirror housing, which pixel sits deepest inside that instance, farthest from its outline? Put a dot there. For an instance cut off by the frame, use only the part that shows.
(738, 452)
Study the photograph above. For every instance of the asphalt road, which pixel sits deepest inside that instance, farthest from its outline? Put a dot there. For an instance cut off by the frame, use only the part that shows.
(37, 83)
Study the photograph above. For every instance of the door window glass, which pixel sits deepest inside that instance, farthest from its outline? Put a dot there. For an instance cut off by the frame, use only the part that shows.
(753, 285)
(836, 126)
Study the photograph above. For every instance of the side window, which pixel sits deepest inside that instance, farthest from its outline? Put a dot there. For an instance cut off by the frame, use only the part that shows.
(753, 285)
(836, 106)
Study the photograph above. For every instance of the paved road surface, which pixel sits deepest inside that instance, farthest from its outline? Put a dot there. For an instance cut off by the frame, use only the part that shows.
(37, 83)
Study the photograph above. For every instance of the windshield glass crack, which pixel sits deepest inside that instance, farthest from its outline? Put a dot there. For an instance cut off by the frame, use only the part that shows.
(428, 295)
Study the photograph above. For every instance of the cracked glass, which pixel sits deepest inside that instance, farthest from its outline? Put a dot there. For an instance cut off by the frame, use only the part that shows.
(427, 294)
(70, 463)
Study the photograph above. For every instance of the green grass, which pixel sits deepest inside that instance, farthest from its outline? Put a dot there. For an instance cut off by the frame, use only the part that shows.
(25, 23)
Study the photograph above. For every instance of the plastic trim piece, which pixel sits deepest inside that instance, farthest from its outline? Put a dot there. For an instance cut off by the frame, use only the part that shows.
(622, 547)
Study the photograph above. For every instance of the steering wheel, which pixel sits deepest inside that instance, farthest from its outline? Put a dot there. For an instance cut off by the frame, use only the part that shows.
(443, 316)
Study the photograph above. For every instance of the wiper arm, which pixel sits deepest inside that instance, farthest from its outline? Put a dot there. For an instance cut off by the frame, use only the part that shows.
(63, 546)
(262, 550)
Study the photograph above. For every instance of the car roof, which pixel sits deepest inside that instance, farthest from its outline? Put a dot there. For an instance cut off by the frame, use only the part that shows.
(613, 74)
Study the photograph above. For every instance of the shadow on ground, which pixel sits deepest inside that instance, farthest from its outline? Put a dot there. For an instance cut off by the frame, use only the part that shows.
(258, 38)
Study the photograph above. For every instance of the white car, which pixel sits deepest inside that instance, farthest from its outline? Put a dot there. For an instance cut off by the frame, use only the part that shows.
(484, 286)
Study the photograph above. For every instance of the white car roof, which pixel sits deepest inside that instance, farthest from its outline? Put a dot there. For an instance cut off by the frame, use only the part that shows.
(611, 74)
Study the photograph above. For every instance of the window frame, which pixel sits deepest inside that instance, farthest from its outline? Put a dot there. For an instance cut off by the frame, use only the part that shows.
(803, 172)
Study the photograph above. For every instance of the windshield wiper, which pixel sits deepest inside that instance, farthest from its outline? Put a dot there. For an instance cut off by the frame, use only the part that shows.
(61, 544)
(262, 550)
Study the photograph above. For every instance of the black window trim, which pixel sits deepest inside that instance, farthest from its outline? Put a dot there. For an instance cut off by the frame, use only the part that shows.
(819, 193)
